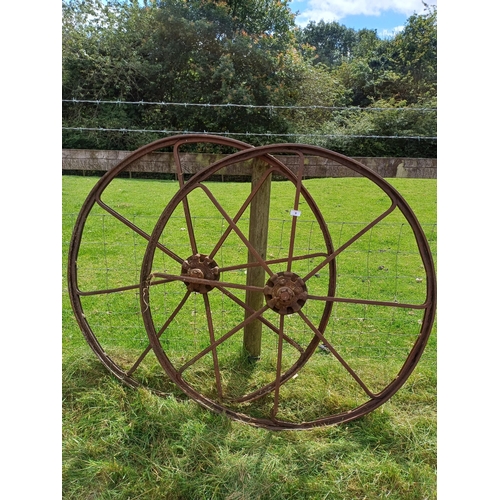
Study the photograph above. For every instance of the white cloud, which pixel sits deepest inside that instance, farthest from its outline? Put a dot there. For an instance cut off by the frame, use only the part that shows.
(390, 33)
(335, 10)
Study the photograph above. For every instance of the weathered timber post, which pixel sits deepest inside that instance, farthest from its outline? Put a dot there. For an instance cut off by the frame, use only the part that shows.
(256, 276)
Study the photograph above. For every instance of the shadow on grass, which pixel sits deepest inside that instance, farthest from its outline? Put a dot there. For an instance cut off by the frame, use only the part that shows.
(84, 373)
(120, 442)
(240, 371)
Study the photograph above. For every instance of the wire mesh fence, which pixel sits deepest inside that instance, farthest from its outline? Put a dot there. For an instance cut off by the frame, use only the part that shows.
(162, 283)
(385, 265)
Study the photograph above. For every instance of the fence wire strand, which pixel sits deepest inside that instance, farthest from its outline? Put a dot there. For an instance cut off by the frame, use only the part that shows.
(248, 134)
(249, 106)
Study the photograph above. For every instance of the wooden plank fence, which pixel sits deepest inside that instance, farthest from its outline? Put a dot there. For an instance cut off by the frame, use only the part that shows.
(86, 160)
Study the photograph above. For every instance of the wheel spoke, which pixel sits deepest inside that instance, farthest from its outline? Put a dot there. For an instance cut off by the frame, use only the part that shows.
(273, 261)
(287, 375)
(237, 230)
(138, 230)
(241, 211)
(119, 289)
(107, 290)
(336, 354)
(160, 332)
(201, 281)
(185, 204)
(298, 188)
(368, 302)
(278, 367)
(222, 339)
(351, 241)
(212, 340)
(263, 320)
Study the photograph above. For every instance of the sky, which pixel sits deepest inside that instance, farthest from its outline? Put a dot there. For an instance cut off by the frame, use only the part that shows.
(386, 16)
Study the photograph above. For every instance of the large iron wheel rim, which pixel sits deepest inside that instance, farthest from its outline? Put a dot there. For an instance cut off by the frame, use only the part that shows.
(94, 198)
(272, 422)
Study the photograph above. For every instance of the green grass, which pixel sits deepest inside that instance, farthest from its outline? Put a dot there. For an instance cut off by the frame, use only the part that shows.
(126, 443)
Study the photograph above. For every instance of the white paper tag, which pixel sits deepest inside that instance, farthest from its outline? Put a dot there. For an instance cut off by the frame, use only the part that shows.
(295, 213)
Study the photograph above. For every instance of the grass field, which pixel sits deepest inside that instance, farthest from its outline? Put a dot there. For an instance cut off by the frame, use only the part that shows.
(128, 443)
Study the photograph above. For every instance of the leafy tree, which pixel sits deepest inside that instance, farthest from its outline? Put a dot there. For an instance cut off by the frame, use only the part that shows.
(193, 51)
(362, 132)
(333, 42)
(250, 53)
(416, 55)
(105, 50)
(316, 88)
(267, 18)
(403, 68)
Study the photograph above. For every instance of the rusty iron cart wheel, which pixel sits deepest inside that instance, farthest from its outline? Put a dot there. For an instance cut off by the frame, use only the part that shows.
(103, 290)
(334, 341)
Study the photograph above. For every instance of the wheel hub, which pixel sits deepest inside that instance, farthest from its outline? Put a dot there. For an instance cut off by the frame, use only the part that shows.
(285, 292)
(202, 267)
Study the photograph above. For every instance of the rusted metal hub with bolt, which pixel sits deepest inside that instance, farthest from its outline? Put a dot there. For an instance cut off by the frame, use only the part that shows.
(201, 267)
(285, 293)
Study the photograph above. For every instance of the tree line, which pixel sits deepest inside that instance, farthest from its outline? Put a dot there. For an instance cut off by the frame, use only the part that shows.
(324, 84)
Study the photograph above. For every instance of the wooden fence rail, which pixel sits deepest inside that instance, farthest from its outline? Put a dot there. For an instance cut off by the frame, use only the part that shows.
(86, 160)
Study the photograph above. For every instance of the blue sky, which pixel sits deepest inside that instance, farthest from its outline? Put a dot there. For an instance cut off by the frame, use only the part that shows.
(386, 16)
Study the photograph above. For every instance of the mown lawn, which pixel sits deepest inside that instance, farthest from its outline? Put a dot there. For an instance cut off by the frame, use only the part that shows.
(128, 443)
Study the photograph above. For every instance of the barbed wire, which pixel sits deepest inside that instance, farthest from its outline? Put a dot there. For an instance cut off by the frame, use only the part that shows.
(247, 134)
(250, 106)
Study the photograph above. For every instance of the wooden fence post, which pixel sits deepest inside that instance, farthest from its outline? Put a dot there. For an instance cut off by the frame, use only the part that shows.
(256, 276)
